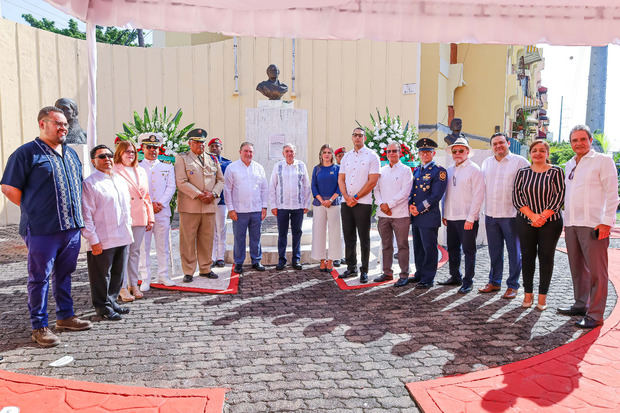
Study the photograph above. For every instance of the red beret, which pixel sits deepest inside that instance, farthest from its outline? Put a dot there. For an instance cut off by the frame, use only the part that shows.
(215, 140)
(339, 150)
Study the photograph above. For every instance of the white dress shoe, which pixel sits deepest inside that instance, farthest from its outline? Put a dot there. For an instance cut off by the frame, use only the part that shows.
(167, 282)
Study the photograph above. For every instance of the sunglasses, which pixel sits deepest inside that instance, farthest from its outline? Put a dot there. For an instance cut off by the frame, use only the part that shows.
(455, 151)
(357, 135)
(572, 173)
(391, 151)
(105, 155)
(59, 124)
(151, 146)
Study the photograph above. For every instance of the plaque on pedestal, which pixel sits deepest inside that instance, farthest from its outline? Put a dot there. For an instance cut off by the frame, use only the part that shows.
(270, 126)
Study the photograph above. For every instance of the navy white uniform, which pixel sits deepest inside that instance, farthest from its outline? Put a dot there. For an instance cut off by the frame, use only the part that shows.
(161, 189)
(429, 185)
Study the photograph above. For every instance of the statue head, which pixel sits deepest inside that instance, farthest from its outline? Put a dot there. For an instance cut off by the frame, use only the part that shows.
(69, 107)
(456, 125)
(273, 72)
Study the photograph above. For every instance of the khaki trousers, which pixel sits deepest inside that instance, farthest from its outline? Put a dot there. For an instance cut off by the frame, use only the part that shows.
(196, 233)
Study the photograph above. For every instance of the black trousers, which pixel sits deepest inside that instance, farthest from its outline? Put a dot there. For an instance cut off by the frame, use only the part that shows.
(356, 218)
(539, 242)
(106, 272)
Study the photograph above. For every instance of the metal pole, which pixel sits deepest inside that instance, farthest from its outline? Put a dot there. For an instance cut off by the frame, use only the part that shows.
(560, 128)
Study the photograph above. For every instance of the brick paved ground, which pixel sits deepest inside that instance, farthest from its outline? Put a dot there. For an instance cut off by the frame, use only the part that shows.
(292, 340)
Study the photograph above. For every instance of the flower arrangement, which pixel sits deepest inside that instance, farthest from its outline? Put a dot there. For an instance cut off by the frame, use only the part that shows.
(167, 126)
(388, 129)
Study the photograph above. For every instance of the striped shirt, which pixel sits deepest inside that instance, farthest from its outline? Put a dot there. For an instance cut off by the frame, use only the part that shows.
(539, 191)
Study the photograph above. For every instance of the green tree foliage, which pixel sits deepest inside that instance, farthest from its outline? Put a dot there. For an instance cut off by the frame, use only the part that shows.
(111, 35)
(560, 153)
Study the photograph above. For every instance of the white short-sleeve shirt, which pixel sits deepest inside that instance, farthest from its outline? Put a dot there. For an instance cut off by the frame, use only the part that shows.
(356, 166)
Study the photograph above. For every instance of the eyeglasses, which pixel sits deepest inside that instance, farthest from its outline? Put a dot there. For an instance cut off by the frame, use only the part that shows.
(151, 146)
(105, 155)
(391, 151)
(131, 151)
(357, 135)
(58, 123)
(453, 180)
(455, 151)
(572, 173)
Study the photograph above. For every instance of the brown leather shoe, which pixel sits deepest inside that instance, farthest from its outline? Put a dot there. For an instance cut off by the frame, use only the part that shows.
(44, 337)
(510, 294)
(489, 288)
(73, 324)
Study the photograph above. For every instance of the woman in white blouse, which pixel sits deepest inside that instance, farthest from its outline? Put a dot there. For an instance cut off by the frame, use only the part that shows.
(142, 216)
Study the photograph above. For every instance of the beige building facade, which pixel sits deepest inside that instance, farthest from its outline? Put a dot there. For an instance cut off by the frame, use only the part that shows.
(337, 82)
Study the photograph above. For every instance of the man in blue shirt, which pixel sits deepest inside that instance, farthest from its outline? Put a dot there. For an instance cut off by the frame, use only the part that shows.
(44, 178)
(429, 185)
(219, 240)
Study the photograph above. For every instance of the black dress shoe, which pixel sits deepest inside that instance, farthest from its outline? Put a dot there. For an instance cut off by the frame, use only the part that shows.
(280, 267)
(383, 277)
(588, 322)
(112, 316)
(343, 261)
(210, 275)
(258, 266)
(423, 286)
(220, 263)
(297, 266)
(571, 311)
(401, 282)
(348, 274)
(465, 289)
(238, 269)
(414, 280)
(364, 278)
(336, 263)
(122, 310)
(188, 278)
(451, 281)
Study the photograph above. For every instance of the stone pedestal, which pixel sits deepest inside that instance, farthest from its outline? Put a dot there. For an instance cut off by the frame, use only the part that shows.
(273, 124)
(87, 168)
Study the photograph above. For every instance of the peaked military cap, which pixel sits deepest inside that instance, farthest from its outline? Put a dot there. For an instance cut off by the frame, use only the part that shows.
(149, 138)
(199, 135)
(426, 144)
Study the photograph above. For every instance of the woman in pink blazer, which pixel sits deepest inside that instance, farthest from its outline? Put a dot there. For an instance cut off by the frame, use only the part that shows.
(142, 216)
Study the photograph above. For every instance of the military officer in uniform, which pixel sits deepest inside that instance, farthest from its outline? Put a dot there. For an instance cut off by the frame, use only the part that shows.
(429, 185)
(161, 189)
(200, 182)
(219, 240)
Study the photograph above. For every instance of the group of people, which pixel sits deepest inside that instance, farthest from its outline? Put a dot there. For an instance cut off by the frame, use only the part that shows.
(124, 203)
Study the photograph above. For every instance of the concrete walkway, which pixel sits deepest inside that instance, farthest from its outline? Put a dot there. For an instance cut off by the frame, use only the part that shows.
(583, 375)
(288, 340)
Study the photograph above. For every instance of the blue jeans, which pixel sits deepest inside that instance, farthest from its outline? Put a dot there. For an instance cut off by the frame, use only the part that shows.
(51, 255)
(500, 231)
(458, 237)
(296, 216)
(247, 222)
(425, 253)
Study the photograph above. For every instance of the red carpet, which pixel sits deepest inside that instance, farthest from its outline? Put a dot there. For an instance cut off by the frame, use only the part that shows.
(33, 394)
(583, 376)
(354, 284)
(227, 283)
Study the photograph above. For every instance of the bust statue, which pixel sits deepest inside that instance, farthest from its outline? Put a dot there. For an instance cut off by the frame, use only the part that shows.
(75, 134)
(272, 88)
(455, 126)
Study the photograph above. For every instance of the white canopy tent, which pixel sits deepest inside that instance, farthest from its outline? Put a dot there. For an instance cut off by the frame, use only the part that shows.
(567, 22)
